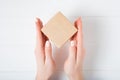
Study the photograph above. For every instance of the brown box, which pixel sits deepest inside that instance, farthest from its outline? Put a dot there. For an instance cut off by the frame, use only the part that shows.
(59, 29)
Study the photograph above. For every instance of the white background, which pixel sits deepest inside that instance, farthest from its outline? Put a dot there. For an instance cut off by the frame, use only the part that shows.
(101, 29)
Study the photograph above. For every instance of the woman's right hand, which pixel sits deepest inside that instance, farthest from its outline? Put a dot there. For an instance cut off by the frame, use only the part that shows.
(74, 62)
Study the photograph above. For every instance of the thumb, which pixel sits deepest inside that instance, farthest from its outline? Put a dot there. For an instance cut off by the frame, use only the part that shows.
(48, 51)
(72, 51)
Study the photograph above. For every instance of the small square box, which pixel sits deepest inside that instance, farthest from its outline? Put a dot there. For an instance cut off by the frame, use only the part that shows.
(59, 29)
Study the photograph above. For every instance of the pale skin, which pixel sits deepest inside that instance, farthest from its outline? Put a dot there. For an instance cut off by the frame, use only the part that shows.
(45, 62)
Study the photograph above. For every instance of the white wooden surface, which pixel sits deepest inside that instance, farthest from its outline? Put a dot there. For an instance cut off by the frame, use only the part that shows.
(101, 25)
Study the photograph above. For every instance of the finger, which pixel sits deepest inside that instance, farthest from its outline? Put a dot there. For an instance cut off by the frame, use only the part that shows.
(79, 37)
(75, 35)
(39, 60)
(39, 50)
(39, 35)
(78, 24)
(48, 52)
(72, 52)
(81, 58)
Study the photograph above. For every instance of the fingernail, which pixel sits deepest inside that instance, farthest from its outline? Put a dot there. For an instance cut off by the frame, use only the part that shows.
(72, 43)
(47, 44)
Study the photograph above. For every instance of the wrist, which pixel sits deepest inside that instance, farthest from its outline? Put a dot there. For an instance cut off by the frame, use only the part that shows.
(38, 77)
(78, 76)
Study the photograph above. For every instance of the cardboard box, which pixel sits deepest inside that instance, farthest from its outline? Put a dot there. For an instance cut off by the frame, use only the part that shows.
(59, 29)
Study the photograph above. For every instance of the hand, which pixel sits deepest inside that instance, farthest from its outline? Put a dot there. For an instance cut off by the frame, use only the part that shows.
(74, 62)
(43, 54)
